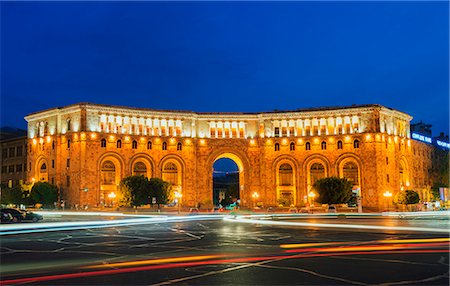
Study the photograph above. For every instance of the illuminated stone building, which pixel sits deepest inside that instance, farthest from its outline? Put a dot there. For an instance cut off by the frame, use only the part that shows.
(86, 149)
(13, 143)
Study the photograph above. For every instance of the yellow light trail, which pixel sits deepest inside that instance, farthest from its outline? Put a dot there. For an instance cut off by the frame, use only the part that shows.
(414, 240)
(301, 245)
(155, 261)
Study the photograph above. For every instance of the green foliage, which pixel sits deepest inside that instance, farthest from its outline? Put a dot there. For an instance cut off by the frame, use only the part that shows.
(333, 190)
(407, 197)
(44, 193)
(160, 190)
(135, 191)
(12, 195)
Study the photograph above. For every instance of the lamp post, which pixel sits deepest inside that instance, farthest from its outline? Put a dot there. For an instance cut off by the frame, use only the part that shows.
(112, 196)
(178, 196)
(388, 196)
(255, 196)
(311, 197)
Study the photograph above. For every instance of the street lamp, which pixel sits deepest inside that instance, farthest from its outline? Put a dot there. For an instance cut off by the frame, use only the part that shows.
(178, 196)
(112, 196)
(388, 196)
(311, 197)
(255, 196)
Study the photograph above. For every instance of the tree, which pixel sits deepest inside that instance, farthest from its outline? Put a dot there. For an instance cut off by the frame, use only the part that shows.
(333, 190)
(135, 191)
(160, 190)
(44, 193)
(407, 197)
(11, 195)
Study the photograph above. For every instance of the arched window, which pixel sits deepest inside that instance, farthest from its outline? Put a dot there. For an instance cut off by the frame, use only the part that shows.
(170, 173)
(356, 144)
(134, 144)
(401, 175)
(339, 144)
(277, 147)
(164, 146)
(139, 169)
(103, 143)
(108, 173)
(286, 175)
(317, 171)
(308, 146)
(119, 144)
(292, 146)
(43, 175)
(149, 145)
(43, 168)
(179, 146)
(350, 171)
(324, 145)
(68, 144)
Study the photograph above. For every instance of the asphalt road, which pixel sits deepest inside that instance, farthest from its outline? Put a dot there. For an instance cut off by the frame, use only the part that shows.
(228, 253)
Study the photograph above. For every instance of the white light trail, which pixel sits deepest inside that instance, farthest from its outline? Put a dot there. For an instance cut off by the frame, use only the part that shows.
(333, 225)
(22, 228)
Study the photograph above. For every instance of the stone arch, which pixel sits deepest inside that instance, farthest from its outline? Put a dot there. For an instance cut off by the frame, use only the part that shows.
(403, 172)
(243, 164)
(178, 162)
(343, 160)
(286, 191)
(109, 187)
(146, 160)
(40, 171)
(309, 162)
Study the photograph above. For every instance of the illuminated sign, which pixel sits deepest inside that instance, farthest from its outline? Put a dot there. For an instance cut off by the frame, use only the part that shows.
(421, 138)
(443, 144)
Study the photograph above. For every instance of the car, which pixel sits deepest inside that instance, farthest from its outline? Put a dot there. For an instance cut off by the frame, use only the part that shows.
(293, 210)
(332, 209)
(6, 217)
(34, 217)
(17, 215)
(193, 211)
(217, 209)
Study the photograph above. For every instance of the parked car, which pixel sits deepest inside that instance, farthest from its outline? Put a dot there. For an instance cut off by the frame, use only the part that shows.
(6, 217)
(193, 211)
(332, 209)
(217, 209)
(34, 217)
(17, 215)
(293, 210)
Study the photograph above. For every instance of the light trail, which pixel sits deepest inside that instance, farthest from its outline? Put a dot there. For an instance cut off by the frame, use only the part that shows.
(59, 226)
(155, 261)
(333, 225)
(207, 262)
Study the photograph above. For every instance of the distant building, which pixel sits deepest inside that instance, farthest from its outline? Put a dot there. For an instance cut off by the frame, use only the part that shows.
(86, 149)
(421, 128)
(13, 145)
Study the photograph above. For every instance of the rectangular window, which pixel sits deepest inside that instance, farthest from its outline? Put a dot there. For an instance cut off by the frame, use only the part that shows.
(387, 178)
(11, 169)
(53, 163)
(277, 132)
(212, 132)
(12, 152)
(68, 163)
(19, 151)
(53, 181)
(284, 131)
(387, 160)
(19, 168)
(4, 169)
(68, 180)
(5, 152)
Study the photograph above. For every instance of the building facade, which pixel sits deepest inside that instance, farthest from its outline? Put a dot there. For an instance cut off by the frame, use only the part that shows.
(13, 144)
(86, 149)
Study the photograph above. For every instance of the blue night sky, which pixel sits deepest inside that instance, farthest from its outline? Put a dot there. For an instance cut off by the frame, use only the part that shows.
(227, 56)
